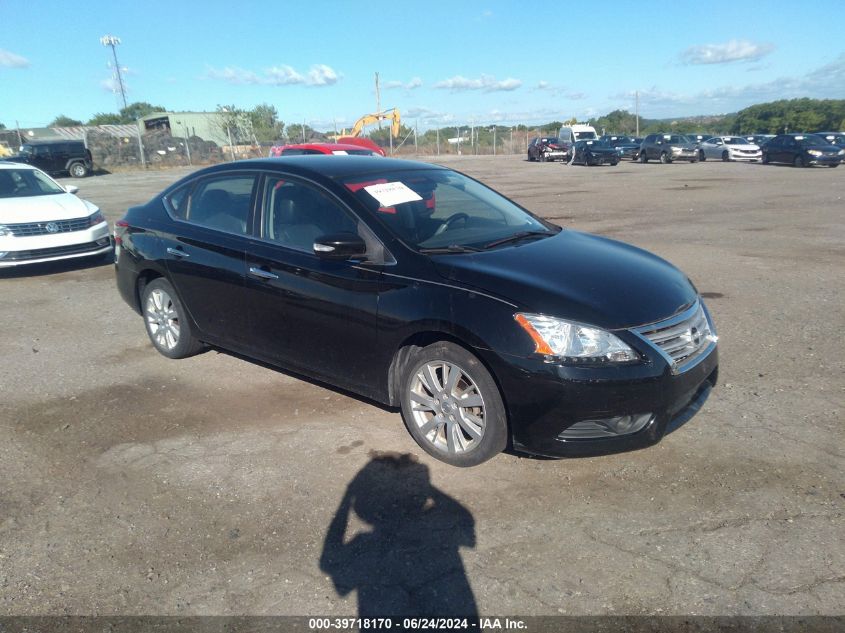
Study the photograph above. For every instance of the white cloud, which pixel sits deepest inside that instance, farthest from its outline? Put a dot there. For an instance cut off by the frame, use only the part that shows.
(485, 83)
(733, 51)
(321, 75)
(282, 75)
(415, 83)
(560, 91)
(9, 59)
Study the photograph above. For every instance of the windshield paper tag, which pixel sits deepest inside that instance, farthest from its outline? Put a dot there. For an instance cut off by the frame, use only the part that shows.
(390, 194)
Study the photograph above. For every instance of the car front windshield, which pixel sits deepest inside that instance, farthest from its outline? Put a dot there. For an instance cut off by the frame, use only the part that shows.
(735, 140)
(23, 183)
(676, 139)
(442, 209)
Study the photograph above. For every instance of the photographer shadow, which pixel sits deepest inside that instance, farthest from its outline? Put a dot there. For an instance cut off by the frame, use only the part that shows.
(408, 563)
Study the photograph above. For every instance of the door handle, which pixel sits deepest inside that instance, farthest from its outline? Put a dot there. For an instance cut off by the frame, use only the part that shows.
(177, 252)
(262, 274)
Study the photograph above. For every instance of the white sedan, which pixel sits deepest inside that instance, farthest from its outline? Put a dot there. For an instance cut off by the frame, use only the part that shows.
(729, 148)
(41, 221)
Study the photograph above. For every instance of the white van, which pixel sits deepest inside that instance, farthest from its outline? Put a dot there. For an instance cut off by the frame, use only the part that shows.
(577, 132)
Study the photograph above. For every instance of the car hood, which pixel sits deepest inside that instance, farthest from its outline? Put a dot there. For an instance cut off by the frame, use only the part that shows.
(577, 276)
(601, 149)
(60, 206)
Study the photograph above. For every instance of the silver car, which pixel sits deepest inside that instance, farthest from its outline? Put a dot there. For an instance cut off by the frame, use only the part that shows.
(729, 148)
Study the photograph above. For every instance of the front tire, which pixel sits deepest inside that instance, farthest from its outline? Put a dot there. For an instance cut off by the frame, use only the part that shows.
(452, 407)
(643, 157)
(78, 170)
(764, 159)
(664, 158)
(166, 321)
(799, 162)
(726, 156)
(701, 156)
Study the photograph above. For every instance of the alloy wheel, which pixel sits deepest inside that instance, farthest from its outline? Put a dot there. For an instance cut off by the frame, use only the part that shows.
(162, 319)
(447, 407)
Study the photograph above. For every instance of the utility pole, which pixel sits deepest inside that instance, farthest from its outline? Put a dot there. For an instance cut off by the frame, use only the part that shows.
(494, 140)
(378, 101)
(637, 110)
(438, 141)
(512, 152)
(416, 129)
(112, 41)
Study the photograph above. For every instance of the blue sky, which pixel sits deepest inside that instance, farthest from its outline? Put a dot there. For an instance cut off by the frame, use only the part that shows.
(440, 62)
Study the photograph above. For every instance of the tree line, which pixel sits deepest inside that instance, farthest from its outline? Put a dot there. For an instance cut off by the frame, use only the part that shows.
(262, 123)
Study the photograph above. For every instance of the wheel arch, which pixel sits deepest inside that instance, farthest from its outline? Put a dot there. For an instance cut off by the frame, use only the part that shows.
(144, 277)
(422, 338)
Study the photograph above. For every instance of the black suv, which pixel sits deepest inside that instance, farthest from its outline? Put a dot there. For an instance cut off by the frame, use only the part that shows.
(56, 157)
(667, 148)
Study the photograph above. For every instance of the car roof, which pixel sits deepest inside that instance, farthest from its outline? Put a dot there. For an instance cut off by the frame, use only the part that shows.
(10, 164)
(326, 146)
(325, 165)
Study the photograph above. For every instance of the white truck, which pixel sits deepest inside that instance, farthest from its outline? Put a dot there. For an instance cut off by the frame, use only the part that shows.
(576, 132)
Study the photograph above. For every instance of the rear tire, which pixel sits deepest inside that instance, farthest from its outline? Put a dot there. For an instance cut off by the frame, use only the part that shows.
(832, 166)
(78, 170)
(458, 434)
(166, 321)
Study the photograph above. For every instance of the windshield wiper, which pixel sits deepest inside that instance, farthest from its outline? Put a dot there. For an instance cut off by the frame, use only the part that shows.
(452, 248)
(516, 237)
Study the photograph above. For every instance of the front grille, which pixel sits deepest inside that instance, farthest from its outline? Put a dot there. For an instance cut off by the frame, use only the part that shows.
(56, 251)
(29, 229)
(681, 338)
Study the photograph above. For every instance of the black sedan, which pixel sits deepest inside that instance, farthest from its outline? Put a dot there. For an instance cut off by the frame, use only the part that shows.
(802, 150)
(422, 289)
(626, 146)
(594, 153)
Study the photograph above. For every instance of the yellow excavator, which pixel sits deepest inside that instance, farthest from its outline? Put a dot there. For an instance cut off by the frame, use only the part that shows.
(368, 119)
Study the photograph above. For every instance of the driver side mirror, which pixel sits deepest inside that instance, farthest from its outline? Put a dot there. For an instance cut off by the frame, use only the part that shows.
(340, 246)
(71, 188)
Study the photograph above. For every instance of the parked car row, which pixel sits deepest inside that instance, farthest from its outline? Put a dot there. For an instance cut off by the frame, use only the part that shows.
(801, 150)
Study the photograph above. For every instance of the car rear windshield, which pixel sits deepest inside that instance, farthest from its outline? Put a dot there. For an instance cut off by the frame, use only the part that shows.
(810, 140)
(23, 183)
(438, 208)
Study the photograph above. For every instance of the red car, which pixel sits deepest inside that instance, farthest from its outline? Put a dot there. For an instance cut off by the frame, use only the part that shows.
(340, 149)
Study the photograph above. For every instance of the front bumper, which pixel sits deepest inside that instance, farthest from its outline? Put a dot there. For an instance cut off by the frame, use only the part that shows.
(556, 155)
(603, 159)
(544, 400)
(824, 160)
(752, 157)
(17, 251)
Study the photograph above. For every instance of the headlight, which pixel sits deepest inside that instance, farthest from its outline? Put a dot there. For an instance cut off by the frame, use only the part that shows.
(96, 218)
(841, 152)
(4, 231)
(574, 342)
(814, 152)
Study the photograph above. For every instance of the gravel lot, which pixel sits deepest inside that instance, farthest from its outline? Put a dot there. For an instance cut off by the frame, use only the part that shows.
(133, 484)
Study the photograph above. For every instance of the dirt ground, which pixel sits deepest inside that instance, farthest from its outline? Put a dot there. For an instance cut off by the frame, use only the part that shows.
(133, 484)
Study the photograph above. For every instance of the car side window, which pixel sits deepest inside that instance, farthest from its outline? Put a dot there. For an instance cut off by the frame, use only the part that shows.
(296, 214)
(177, 202)
(222, 203)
